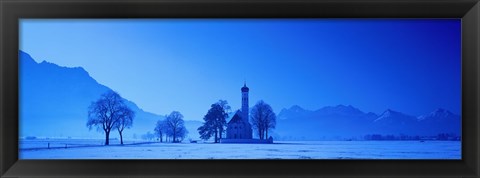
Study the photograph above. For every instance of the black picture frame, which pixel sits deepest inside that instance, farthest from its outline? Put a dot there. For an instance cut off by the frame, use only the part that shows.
(12, 10)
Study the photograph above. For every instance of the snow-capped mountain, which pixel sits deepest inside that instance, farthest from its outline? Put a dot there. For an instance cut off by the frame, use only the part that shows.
(440, 120)
(340, 110)
(439, 115)
(393, 122)
(393, 117)
(294, 111)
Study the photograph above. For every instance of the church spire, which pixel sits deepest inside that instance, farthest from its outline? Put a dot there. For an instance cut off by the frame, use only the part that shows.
(245, 88)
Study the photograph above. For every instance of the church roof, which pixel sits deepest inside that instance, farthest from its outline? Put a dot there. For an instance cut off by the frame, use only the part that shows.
(236, 118)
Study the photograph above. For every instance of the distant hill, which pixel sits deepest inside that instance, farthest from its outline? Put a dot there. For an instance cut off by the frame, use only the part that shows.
(335, 122)
(54, 102)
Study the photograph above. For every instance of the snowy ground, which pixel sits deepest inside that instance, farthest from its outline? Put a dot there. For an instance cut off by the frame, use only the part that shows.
(279, 150)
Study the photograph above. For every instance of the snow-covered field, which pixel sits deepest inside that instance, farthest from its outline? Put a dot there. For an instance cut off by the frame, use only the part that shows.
(280, 150)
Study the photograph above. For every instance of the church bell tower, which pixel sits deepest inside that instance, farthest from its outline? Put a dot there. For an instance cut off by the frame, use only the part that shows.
(245, 90)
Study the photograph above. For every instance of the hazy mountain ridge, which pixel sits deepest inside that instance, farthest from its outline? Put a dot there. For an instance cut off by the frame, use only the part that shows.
(347, 121)
(69, 92)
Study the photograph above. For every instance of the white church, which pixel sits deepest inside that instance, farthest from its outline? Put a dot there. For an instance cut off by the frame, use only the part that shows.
(239, 129)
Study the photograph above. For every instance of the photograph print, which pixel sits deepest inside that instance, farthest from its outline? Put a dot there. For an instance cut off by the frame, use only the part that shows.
(240, 89)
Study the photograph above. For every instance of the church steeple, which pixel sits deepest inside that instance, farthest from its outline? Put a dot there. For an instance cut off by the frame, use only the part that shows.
(245, 90)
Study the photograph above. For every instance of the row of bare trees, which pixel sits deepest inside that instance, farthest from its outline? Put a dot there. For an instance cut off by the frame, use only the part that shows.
(108, 113)
(171, 128)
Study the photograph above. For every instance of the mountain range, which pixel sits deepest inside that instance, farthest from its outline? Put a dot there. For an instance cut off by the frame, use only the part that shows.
(347, 121)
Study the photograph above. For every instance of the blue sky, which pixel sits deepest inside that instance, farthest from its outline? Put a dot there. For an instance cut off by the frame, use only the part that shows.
(409, 65)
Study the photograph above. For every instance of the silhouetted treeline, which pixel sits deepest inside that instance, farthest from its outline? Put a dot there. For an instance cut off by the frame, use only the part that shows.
(440, 136)
(172, 128)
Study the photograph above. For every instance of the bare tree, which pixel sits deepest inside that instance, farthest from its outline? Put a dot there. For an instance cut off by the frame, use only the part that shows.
(175, 123)
(263, 118)
(256, 117)
(161, 129)
(125, 120)
(106, 112)
(270, 121)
